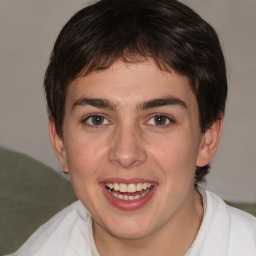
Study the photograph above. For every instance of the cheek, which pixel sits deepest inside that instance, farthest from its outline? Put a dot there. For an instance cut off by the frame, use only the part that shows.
(84, 155)
(176, 155)
(85, 160)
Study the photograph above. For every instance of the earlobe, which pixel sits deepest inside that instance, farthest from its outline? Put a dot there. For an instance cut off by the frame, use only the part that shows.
(209, 143)
(58, 146)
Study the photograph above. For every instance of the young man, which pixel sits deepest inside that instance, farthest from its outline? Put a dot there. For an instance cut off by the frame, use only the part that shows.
(136, 93)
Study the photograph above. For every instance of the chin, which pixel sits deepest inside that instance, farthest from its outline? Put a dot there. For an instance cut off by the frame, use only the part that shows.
(130, 228)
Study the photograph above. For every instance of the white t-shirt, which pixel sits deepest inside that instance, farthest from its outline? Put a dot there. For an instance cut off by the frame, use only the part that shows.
(225, 231)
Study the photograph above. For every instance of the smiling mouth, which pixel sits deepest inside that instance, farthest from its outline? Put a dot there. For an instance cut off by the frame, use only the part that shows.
(129, 192)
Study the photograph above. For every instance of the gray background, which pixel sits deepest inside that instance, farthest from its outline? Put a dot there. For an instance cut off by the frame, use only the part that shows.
(28, 29)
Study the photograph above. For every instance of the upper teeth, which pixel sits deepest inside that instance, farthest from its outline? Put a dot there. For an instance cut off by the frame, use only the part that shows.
(122, 187)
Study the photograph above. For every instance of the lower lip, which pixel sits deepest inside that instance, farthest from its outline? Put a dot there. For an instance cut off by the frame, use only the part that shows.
(128, 204)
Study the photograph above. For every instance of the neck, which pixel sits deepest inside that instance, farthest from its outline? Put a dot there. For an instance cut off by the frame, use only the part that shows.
(173, 239)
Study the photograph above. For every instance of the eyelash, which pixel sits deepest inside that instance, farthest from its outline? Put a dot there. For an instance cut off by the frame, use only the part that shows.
(85, 120)
(167, 119)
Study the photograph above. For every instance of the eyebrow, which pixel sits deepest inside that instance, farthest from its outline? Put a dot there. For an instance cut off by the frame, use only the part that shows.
(95, 102)
(170, 100)
(107, 104)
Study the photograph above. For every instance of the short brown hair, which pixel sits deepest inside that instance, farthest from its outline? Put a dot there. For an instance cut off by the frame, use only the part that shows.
(167, 31)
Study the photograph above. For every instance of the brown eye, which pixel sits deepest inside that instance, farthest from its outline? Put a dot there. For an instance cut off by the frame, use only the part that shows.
(96, 120)
(160, 120)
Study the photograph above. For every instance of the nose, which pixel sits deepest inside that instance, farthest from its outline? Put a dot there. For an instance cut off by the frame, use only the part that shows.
(127, 149)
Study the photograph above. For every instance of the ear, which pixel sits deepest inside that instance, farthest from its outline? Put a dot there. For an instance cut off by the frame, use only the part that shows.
(209, 142)
(58, 146)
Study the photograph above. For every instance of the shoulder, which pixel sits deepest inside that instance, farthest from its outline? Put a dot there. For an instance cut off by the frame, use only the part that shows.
(236, 217)
(240, 226)
(242, 231)
(61, 235)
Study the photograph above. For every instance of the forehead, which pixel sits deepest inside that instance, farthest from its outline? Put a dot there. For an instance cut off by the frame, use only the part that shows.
(131, 83)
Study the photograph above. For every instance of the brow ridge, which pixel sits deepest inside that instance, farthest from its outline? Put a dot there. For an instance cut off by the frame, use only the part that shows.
(95, 102)
(105, 103)
(159, 102)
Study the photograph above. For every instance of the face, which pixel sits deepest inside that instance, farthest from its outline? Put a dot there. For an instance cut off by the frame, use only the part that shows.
(131, 142)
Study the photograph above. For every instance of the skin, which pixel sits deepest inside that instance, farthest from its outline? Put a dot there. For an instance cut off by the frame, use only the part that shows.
(130, 144)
